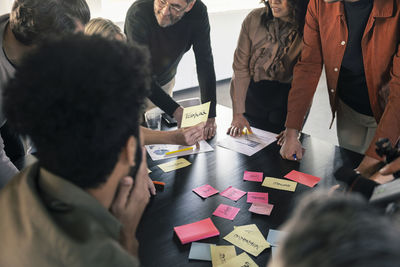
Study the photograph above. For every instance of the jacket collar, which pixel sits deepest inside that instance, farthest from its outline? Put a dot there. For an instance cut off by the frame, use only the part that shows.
(65, 194)
(381, 8)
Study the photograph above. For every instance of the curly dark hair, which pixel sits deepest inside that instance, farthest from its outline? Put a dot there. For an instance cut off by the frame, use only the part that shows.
(33, 21)
(299, 8)
(79, 99)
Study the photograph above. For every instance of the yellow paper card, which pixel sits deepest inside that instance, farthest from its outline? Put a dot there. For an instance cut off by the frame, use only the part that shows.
(252, 243)
(148, 170)
(194, 115)
(221, 254)
(174, 165)
(279, 184)
(255, 233)
(241, 260)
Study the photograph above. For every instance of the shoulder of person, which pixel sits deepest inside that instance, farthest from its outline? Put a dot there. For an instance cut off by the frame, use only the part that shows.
(198, 12)
(254, 16)
(4, 18)
(141, 7)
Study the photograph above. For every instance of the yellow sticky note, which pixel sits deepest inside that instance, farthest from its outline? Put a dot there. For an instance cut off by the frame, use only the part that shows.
(194, 115)
(280, 184)
(253, 243)
(255, 233)
(221, 254)
(241, 260)
(174, 165)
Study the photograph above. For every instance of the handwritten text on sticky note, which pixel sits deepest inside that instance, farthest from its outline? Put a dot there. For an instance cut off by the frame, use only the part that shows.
(233, 193)
(221, 254)
(241, 260)
(227, 212)
(280, 184)
(249, 243)
(174, 165)
(205, 191)
(257, 197)
(253, 176)
(261, 208)
(195, 114)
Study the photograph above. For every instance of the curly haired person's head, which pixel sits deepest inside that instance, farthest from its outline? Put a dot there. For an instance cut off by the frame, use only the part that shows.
(79, 99)
(33, 21)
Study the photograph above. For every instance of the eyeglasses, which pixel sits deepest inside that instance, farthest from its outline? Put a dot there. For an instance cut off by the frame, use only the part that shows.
(172, 7)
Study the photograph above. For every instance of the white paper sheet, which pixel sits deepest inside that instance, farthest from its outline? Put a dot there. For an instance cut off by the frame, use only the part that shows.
(157, 151)
(248, 145)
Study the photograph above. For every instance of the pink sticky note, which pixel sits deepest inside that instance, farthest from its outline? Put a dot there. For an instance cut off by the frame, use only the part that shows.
(303, 178)
(205, 191)
(253, 176)
(257, 197)
(227, 212)
(263, 209)
(233, 193)
(196, 231)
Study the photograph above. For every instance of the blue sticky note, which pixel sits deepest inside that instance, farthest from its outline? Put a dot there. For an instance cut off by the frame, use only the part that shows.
(200, 251)
(275, 237)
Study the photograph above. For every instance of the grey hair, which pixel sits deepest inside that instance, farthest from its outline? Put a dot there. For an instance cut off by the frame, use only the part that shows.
(339, 231)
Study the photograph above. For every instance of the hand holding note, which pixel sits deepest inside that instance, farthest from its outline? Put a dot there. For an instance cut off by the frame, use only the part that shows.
(195, 114)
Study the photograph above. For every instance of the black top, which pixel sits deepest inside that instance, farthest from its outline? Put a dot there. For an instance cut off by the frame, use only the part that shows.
(352, 84)
(168, 45)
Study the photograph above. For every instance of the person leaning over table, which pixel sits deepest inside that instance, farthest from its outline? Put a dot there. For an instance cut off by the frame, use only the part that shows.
(269, 45)
(169, 28)
(338, 231)
(80, 101)
(358, 42)
(187, 136)
(29, 23)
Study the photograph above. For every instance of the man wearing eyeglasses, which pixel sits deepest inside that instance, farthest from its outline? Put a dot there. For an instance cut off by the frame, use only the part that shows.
(169, 28)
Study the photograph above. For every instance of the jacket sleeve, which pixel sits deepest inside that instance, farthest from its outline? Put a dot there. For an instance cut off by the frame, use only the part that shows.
(241, 72)
(389, 124)
(205, 62)
(307, 71)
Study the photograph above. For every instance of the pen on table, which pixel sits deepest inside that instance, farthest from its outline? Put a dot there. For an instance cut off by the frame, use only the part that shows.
(159, 185)
(179, 150)
(294, 156)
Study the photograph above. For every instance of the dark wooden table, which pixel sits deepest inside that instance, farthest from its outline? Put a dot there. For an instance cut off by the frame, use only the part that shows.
(178, 205)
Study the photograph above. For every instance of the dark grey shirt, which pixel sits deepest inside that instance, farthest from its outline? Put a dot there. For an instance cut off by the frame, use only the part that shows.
(168, 45)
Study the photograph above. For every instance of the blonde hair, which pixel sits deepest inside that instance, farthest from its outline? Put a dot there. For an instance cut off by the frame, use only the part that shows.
(105, 28)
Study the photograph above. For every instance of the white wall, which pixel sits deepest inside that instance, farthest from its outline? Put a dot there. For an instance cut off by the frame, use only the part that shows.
(226, 17)
(225, 28)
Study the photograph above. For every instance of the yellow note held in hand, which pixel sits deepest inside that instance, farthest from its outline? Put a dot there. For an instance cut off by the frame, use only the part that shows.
(280, 184)
(174, 165)
(241, 260)
(221, 254)
(194, 115)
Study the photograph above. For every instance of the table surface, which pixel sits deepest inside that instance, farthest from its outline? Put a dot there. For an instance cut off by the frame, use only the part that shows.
(178, 205)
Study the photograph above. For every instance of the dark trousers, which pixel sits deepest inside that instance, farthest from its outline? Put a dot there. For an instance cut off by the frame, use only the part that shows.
(266, 105)
(13, 145)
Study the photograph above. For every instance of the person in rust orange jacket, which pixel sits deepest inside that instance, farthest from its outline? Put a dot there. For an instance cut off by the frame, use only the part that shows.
(357, 42)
